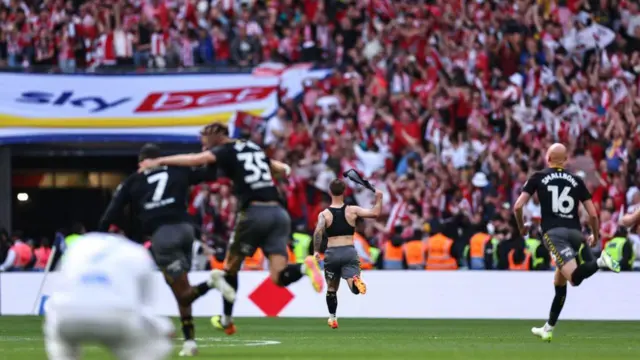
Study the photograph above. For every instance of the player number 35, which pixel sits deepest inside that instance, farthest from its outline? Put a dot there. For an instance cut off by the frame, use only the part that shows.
(256, 166)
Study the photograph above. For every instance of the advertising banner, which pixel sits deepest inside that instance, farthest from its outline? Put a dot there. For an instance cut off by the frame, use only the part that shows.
(58, 107)
(390, 294)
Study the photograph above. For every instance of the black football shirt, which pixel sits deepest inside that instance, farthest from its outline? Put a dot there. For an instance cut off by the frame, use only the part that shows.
(246, 164)
(560, 194)
(159, 196)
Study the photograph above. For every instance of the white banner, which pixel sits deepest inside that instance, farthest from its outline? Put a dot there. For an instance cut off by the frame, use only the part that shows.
(145, 105)
(391, 294)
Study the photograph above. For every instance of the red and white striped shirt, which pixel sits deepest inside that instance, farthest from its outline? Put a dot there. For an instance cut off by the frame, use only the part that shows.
(398, 211)
(105, 52)
(158, 44)
(123, 44)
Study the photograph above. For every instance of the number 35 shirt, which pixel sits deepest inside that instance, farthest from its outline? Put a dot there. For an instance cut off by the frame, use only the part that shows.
(560, 194)
(246, 164)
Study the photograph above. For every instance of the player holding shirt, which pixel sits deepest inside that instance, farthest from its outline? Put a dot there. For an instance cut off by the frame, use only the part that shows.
(262, 221)
(341, 259)
(560, 193)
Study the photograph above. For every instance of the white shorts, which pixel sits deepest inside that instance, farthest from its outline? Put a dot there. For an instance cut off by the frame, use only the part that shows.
(128, 335)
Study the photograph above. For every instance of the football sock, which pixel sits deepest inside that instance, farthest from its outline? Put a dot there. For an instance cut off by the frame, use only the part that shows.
(354, 289)
(201, 289)
(290, 274)
(188, 330)
(332, 302)
(583, 271)
(232, 280)
(557, 304)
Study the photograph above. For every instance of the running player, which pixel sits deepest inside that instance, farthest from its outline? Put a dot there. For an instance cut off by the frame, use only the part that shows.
(560, 193)
(262, 222)
(159, 195)
(341, 258)
(104, 296)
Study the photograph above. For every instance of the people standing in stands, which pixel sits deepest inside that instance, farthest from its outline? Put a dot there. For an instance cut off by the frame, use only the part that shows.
(392, 254)
(4, 244)
(439, 253)
(414, 252)
(19, 256)
(77, 230)
(365, 251)
(540, 258)
(42, 254)
(621, 250)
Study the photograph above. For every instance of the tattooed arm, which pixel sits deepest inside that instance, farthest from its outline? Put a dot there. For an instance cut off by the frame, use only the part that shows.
(318, 233)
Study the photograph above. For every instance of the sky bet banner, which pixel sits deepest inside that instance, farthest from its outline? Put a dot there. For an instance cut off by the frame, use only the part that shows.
(48, 107)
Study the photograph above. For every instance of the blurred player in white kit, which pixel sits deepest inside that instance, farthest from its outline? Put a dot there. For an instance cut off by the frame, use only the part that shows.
(103, 297)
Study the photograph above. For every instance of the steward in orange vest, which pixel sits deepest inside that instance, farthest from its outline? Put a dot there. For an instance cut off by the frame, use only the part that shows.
(414, 252)
(521, 266)
(439, 253)
(393, 252)
(364, 249)
(255, 262)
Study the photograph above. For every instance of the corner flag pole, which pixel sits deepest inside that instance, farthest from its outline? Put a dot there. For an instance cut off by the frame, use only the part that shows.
(47, 269)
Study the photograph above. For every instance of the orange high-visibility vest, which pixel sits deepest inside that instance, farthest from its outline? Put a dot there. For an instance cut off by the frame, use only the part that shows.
(414, 253)
(439, 253)
(215, 264)
(392, 253)
(290, 255)
(364, 264)
(477, 244)
(42, 257)
(23, 254)
(524, 266)
(255, 262)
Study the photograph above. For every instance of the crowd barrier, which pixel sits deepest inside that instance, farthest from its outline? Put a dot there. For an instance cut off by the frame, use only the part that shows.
(391, 294)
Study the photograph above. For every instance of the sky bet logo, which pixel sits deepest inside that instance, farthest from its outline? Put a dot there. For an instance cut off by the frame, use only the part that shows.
(94, 104)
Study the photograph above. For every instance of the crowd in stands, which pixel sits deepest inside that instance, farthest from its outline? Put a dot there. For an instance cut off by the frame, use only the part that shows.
(446, 106)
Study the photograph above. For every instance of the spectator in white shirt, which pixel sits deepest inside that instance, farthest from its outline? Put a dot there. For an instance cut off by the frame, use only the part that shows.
(275, 128)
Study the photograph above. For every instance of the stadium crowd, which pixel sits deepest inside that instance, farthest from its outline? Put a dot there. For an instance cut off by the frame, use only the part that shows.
(447, 106)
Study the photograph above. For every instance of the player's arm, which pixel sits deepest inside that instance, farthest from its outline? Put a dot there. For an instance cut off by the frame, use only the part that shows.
(594, 221)
(202, 174)
(374, 212)
(280, 169)
(527, 191)
(318, 233)
(116, 206)
(630, 219)
(192, 160)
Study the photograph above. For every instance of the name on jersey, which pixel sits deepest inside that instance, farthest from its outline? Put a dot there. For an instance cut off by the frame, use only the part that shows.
(559, 175)
(156, 204)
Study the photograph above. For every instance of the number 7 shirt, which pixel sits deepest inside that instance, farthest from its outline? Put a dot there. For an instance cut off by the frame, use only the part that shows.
(560, 193)
(158, 196)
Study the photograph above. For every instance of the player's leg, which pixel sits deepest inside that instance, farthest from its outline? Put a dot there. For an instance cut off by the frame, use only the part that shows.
(276, 224)
(564, 244)
(351, 270)
(332, 276)
(172, 246)
(242, 244)
(560, 283)
(150, 338)
(56, 346)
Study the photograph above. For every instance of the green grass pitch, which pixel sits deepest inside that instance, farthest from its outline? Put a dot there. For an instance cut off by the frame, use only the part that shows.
(308, 339)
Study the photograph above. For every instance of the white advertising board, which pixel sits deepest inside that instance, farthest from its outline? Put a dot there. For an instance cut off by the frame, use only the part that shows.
(391, 294)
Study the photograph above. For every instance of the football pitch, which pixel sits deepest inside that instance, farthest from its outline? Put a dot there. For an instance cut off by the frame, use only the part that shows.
(285, 338)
